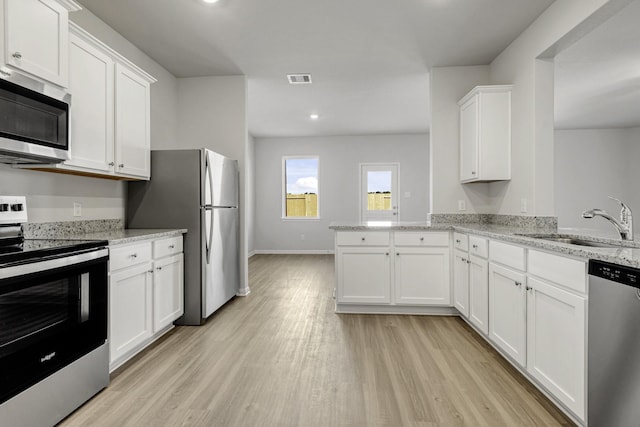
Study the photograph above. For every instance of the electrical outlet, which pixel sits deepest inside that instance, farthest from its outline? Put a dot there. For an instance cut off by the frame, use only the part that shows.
(77, 209)
(462, 205)
(302, 237)
(523, 205)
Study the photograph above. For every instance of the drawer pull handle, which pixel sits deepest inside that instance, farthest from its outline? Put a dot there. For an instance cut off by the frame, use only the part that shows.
(17, 56)
(150, 271)
(464, 260)
(518, 284)
(134, 255)
(397, 253)
(422, 239)
(468, 261)
(363, 239)
(172, 246)
(529, 288)
(158, 268)
(386, 253)
(475, 246)
(458, 241)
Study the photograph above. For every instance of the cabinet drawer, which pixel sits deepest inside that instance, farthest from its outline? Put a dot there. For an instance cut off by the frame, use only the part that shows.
(166, 247)
(567, 272)
(509, 255)
(460, 241)
(127, 256)
(478, 246)
(362, 238)
(421, 239)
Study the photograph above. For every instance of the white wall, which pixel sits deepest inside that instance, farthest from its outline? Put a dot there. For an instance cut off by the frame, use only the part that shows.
(448, 86)
(340, 157)
(212, 113)
(50, 196)
(591, 164)
(532, 113)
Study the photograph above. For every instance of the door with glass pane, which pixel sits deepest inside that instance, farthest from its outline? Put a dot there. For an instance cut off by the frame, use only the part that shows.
(379, 192)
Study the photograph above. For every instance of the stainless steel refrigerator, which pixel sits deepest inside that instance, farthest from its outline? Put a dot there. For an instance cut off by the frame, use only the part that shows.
(196, 190)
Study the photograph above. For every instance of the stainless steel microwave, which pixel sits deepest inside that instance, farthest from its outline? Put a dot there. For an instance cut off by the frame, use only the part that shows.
(34, 121)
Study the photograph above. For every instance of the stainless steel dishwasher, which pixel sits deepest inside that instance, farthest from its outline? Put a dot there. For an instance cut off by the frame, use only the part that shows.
(614, 346)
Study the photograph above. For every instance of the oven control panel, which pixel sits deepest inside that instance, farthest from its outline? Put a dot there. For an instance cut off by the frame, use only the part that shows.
(13, 209)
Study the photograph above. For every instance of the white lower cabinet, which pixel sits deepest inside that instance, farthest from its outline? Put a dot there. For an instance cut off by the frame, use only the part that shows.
(422, 276)
(130, 309)
(461, 282)
(146, 294)
(479, 293)
(507, 311)
(364, 275)
(168, 294)
(556, 349)
(393, 269)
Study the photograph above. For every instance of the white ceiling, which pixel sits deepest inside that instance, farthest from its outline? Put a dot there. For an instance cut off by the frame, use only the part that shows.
(598, 78)
(369, 58)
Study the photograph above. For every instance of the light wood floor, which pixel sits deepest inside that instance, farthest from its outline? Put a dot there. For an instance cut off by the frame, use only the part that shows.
(282, 357)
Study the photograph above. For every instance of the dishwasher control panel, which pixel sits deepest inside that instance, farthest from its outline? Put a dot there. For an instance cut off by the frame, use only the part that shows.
(626, 275)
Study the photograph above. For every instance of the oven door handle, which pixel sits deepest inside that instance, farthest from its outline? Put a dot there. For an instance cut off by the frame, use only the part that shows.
(63, 260)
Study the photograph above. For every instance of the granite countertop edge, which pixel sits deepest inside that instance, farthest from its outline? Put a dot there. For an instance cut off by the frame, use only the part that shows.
(129, 235)
(628, 254)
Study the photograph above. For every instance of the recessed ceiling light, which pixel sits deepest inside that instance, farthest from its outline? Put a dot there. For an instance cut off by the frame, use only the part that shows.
(314, 116)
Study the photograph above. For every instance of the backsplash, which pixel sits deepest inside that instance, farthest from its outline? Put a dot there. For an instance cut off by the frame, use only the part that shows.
(547, 224)
(53, 230)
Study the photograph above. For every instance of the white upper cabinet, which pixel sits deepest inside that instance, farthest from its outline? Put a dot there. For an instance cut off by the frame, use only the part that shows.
(36, 38)
(91, 123)
(133, 116)
(485, 134)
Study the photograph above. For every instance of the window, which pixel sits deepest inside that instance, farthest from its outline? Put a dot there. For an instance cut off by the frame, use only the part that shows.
(300, 182)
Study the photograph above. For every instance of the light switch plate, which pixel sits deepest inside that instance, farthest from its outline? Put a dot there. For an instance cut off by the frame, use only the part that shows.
(77, 209)
(462, 206)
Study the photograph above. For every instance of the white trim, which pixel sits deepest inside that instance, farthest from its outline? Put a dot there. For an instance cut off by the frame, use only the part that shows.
(396, 309)
(70, 5)
(283, 188)
(294, 251)
(252, 253)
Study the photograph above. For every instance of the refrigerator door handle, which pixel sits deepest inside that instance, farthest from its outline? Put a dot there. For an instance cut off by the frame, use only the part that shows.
(209, 238)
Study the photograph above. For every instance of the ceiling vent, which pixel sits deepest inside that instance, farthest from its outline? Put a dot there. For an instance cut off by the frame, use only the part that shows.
(299, 79)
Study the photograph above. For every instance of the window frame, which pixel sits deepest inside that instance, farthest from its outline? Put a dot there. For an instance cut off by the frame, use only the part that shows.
(283, 189)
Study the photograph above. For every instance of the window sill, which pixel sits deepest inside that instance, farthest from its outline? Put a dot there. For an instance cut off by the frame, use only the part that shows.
(300, 218)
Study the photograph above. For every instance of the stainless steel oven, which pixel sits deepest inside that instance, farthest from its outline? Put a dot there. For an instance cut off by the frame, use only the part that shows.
(34, 125)
(53, 326)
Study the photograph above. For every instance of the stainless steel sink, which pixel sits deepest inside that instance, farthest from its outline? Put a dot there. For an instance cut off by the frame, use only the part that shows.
(571, 240)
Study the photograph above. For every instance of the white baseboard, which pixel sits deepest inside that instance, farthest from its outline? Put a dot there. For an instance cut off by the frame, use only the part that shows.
(294, 252)
(243, 292)
(252, 253)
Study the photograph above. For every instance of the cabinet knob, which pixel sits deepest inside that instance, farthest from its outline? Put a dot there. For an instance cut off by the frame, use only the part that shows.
(158, 268)
(529, 288)
(17, 55)
(386, 253)
(397, 253)
(112, 164)
(468, 261)
(473, 173)
(363, 239)
(422, 239)
(464, 260)
(121, 165)
(518, 284)
(172, 246)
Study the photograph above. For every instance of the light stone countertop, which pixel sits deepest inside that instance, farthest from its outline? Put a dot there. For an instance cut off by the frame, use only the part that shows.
(628, 254)
(122, 236)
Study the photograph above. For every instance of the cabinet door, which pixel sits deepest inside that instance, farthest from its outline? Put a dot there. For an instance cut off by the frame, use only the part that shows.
(479, 293)
(507, 311)
(556, 342)
(461, 283)
(37, 39)
(469, 140)
(91, 83)
(168, 291)
(364, 275)
(132, 123)
(130, 309)
(422, 276)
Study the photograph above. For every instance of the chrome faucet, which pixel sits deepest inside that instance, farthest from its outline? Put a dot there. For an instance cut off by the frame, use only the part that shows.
(624, 226)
